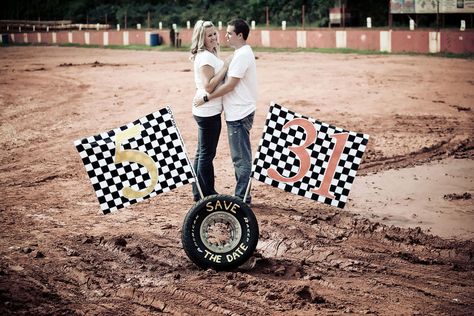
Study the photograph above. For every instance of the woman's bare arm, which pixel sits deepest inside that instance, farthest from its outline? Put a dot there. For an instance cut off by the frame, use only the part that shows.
(210, 79)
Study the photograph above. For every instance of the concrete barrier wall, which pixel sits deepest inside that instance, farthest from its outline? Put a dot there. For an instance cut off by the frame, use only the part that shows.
(33, 38)
(46, 37)
(61, 37)
(397, 41)
(187, 36)
(97, 38)
(321, 39)
(282, 39)
(115, 38)
(137, 38)
(255, 40)
(17, 38)
(78, 37)
(457, 42)
(165, 35)
(410, 41)
(363, 40)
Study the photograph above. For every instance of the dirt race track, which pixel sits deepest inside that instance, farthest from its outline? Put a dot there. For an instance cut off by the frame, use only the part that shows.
(402, 245)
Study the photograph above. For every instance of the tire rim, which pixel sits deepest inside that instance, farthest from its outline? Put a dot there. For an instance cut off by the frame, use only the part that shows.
(220, 232)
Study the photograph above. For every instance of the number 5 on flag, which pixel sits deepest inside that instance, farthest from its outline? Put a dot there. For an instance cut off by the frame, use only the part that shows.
(122, 155)
(136, 161)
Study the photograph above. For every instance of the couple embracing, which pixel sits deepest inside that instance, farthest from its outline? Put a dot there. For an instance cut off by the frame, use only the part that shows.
(228, 86)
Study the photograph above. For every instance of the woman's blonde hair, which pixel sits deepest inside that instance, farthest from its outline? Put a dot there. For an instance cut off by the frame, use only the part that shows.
(199, 33)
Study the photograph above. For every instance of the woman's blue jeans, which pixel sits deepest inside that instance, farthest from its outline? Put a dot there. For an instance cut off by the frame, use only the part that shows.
(209, 130)
(238, 133)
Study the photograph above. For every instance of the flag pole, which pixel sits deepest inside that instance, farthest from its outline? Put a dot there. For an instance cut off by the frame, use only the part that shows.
(197, 181)
(248, 189)
(168, 108)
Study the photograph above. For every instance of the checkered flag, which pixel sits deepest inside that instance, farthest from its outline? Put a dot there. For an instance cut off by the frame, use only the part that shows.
(306, 157)
(136, 161)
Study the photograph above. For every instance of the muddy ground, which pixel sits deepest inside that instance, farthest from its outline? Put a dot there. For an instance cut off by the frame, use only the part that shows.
(402, 245)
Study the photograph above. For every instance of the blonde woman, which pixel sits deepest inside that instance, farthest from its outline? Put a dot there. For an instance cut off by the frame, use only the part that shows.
(209, 72)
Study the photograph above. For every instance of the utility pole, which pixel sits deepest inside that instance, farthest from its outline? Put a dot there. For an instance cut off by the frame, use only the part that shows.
(437, 15)
(389, 14)
(344, 14)
(267, 18)
(302, 16)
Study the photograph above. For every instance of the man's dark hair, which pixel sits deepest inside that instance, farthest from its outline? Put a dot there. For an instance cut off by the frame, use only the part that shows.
(240, 26)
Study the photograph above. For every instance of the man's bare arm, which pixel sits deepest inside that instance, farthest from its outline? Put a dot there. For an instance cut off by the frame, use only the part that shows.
(225, 88)
(220, 91)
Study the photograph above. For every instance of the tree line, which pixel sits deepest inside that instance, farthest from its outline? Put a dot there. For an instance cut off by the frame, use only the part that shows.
(132, 12)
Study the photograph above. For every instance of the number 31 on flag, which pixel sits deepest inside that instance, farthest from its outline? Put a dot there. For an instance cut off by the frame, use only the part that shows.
(305, 159)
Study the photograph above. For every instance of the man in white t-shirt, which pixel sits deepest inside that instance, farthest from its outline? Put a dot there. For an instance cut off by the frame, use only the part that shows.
(239, 94)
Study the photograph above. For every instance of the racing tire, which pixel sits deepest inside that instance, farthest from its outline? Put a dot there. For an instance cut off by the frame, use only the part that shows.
(220, 232)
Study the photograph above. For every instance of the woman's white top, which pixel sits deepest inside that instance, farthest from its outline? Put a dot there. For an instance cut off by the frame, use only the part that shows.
(214, 106)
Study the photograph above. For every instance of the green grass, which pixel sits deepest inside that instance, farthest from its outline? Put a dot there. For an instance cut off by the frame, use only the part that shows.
(130, 47)
(78, 45)
(185, 48)
(353, 51)
(453, 55)
(319, 50)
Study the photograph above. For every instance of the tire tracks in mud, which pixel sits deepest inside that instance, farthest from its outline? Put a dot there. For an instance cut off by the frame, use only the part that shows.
(337, 240)
(407, 140)
(165, 300)
(148, 279)
(415, 264)
(333, 230)
(453, 147)
(153, 283)
(370, 249)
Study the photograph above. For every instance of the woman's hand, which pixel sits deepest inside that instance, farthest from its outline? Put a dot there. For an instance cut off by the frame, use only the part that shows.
(198, 100)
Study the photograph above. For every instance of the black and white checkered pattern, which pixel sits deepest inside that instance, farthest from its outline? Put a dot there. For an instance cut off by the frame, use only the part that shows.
(273, 153)
(159, 139)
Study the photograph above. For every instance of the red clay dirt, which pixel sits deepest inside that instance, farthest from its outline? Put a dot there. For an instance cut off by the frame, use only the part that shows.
(60, 256)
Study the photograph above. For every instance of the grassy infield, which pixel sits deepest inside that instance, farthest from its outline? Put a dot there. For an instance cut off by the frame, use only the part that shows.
(166, 48)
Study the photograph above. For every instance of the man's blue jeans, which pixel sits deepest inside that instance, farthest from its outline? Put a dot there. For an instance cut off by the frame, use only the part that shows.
(209, 129)
(238, 133)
